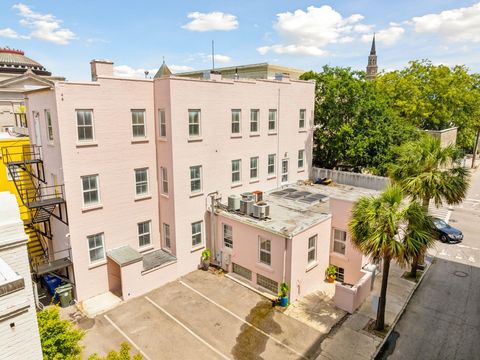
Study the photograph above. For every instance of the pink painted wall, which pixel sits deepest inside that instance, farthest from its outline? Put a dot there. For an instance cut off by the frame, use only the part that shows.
(350, 298)
(353, 260)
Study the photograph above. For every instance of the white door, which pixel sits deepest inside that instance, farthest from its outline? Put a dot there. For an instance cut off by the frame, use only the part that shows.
(38, 137)
(284, 171)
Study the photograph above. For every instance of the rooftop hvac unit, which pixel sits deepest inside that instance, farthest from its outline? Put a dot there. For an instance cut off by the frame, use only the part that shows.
(233, 203)
(261, 210)
(247, 196)
(246, 206)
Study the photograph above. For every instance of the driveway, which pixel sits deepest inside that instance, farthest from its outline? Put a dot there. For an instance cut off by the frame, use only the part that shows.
(203, 316)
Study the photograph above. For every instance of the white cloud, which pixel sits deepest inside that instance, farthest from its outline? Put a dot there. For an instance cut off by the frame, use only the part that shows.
(220, 58)
(307, 32)
(180, 68)
(127, 71)
(388, 36)
(211, 21)
(9, 33)
(44, 26)
(457, 25)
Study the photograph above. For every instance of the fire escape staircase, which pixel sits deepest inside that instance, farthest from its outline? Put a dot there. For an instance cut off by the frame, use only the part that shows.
(43, 202)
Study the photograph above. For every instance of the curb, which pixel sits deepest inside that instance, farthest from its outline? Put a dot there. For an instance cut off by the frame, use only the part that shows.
(402, 310)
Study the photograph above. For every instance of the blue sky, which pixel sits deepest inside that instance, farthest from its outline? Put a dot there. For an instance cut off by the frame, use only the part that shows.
(65, 35)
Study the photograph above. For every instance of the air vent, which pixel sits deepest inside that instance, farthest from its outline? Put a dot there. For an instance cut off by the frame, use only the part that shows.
(261, 210)
(233, 203)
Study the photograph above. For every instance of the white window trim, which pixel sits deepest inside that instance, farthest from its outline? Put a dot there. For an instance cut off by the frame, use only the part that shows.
(195, 137)
(49, 125)
(225, 246)
(164, 179)
(164, 236)
(260, 250)
(272, 174)
(314, 248)
(99, 202)
(258, 121)
(144, 195)
(199, 191)
(302, 151)
(144, 136)
(304, 119)
(274, 130)
(339, 241)
(149, 234)
(282, 173)
(239, 111)
(160, 123)
(202, 240)
(256, 177)
(93, 140)
(239, 181)
(103, 259)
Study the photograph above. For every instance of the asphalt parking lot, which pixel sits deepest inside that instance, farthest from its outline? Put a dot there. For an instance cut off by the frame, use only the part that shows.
(203, 316)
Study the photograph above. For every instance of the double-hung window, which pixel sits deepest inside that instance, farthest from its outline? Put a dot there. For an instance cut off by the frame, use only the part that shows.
(196, 233)
(254, 120)
(166, 235)
(301, 159)
(301, 119)
(96, 248)
(312, 249)
(90, 190)
(236, 171)
(339, 241)
(272, 120)
(144, 233)
(162, 124)
(236, 115)
(195, 179)
(193, 123)
(254, 168)
(85, 125)
(227, 236)
(141, 182)
(48, 121)
(138, 124)
(271, 164)
(164, 179)
(265, 251)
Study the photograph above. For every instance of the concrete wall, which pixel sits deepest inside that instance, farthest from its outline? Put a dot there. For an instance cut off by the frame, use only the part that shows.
(446, 136)
(350, 298)
(18, 324)
(354, 179)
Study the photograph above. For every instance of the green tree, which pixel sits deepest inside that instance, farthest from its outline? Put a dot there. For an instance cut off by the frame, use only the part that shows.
(123, 354)
(60, 339)
(356, 128)
(427, 171)
(389, 228)
(435, 98)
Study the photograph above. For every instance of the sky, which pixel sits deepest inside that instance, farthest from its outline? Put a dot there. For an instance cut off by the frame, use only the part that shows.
(65, 35)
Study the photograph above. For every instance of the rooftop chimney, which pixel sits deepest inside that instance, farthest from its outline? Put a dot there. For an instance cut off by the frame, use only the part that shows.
(101, 68)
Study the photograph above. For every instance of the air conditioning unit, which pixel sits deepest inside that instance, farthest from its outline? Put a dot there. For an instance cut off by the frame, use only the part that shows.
(247, 196)
(233, 203)
(261, 210)
(246, 206)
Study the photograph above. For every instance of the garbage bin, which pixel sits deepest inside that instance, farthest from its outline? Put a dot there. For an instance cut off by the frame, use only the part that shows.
(64, 292)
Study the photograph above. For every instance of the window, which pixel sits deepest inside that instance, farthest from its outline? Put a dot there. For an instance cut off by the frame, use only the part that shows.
(340, 274)
(265, 255)
(227, 236)
(12, 170)
(271, 164)
(166, 235)
(254, 168)
(312, 249)
(138, 123)
(196, 233)
(301, 120)
(195, 179)
(141, 182)
(96, 248)
(144, 233)
(164, 177)
(284, 170)
(85, 125)
(339, 240)
(236, 171)
(48, 121)
(301, 162)
(162, 128)
(272, 120)
(236, 114)
(90, 189)
(243, 272)
(254, 120)
(193, 123)
(267, 283)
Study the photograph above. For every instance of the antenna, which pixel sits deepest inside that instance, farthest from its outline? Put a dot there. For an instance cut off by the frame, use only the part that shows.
(146, 73)
(213, 55)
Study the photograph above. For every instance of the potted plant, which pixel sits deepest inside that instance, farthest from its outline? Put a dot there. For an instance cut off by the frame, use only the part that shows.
(283, 294)
(331, 273)
(205, 259)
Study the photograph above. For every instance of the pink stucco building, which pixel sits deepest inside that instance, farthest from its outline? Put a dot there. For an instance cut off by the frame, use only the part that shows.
(133, 168)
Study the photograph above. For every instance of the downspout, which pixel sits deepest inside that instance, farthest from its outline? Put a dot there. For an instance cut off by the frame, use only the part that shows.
(279, 161)
(213, 227)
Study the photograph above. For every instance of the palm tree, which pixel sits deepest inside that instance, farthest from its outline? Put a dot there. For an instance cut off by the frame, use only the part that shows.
(389, 227)
(427, 171)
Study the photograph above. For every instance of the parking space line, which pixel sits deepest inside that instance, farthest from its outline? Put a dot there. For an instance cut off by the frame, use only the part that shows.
(242, 320)
(126, 337)
(187, 328)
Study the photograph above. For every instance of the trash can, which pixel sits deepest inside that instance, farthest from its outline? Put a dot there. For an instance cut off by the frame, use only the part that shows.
(64, 292)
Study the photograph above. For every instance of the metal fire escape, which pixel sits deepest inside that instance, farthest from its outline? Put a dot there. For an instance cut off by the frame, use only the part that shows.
(43, 202)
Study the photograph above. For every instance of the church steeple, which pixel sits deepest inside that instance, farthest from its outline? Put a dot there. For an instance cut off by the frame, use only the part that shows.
(372, 67)
(164, 71)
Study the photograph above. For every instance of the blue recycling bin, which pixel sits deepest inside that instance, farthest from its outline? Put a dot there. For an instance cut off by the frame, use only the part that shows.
(51, 283)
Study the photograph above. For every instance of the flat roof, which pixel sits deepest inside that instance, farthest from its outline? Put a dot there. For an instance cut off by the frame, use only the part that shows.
(296, 208)
(241, 67)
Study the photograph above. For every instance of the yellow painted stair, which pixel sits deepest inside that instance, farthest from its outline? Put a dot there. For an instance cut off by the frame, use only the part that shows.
(35, 248)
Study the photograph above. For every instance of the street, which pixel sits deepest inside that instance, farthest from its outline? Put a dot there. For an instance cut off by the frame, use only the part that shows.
(442, 320)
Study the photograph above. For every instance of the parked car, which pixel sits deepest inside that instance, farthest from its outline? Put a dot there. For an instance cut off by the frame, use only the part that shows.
(447, 233)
